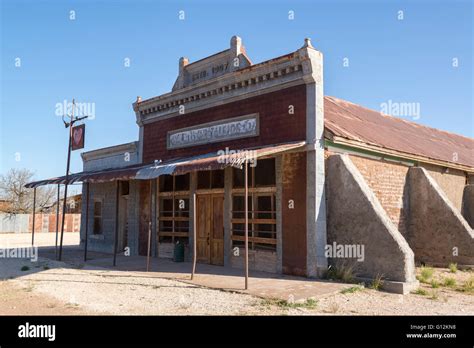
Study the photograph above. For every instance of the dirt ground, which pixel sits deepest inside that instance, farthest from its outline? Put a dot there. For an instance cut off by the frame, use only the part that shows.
(49, 287)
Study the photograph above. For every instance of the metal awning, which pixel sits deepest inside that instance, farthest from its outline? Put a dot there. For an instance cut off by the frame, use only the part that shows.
(210, 161)
(213, 161)
(104, 175)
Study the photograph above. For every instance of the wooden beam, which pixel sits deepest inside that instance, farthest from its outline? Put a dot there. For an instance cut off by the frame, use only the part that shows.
(117, 195)
(34, 218)
(57, 222)
(149, 228)
(87, 222)
(195, 236)
(246, 227)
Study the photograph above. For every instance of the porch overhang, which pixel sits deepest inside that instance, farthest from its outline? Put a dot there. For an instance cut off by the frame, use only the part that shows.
(214, 161)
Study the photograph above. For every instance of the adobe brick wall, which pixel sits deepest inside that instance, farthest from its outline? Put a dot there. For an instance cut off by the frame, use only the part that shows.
(276, 124)
(356, 217)
(452, 183)
(438, 234)
(468, 205)
(387, 181)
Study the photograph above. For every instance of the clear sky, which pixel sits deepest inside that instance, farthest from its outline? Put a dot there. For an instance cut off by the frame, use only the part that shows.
(403, 57)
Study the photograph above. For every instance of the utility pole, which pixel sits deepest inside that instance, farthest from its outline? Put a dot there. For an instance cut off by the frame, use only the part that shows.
(72, 120)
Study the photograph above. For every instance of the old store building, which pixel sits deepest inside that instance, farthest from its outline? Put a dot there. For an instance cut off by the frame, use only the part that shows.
(321, 171)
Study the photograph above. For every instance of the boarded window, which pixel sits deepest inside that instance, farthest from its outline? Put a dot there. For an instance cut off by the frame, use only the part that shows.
(174, 209)
(210, 179)
(261, 175)
(97, 217)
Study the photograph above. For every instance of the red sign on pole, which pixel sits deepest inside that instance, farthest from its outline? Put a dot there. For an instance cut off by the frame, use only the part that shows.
(78, 134)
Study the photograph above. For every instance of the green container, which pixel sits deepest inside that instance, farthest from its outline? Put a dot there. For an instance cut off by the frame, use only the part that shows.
(178, 255)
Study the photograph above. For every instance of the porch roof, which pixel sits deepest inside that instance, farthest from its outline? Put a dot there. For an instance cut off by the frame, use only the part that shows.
(213, 161)
(210, 161)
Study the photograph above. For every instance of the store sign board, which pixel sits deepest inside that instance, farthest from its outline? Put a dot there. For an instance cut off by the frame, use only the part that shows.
(222, 130)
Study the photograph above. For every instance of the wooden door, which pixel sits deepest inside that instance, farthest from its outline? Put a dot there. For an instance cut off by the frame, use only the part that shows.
(210, 229)
(203, 204)
(217, 233)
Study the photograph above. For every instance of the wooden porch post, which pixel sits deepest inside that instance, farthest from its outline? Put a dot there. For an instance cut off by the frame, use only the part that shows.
(34, 218)
(194, 234)
(116, 221)
(87, 221)
(149, 228)
(246, 227)
(57, 222)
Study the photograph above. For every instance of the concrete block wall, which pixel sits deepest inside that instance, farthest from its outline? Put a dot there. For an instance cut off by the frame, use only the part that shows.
(356, 217)
(102, 242)
(133, 217)
(437, 232)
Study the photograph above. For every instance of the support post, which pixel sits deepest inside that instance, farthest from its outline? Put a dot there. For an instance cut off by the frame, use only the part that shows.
(195, 235)
(116, 221)
(149, 248)
(57, 222)
(149, 229)
(246, 226)
(34, 218)
(66, 179)
(87, 222)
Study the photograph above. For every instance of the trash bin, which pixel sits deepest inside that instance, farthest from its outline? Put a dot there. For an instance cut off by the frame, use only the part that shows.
(178, 255)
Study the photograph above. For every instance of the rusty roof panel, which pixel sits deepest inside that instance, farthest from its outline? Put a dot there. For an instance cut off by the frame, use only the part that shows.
(357, 123)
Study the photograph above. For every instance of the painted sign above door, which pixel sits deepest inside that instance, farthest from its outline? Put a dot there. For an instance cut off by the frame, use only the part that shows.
(228, 129)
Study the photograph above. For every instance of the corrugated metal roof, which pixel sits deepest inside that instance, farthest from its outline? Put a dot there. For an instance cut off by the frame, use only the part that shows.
(212, 161)
(354, 122)
(104, 175)
(208, 161)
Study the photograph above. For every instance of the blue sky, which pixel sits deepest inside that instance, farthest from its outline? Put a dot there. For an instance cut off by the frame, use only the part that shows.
(409, 60)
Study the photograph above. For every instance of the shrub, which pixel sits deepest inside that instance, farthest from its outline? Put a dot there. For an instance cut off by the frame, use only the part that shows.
(434, 295)
(449, 282)
(453, 267)
(25, 268)
(434, 284)
(421, 292)
(377, 282)
(425, 274)
(352, 289)
(341, 272)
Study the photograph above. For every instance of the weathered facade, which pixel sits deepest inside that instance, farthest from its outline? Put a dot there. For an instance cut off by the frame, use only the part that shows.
(347, 176)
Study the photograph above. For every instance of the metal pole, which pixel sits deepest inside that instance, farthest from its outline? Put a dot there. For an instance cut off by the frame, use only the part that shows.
(194, 235)
(149, 229)
(149, 247)
(57, 222)
(66, 180)
(116, 222)
(246, 227)
(87, 221)
(34, 218)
